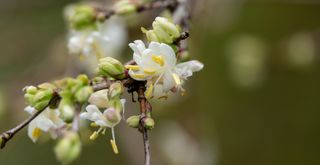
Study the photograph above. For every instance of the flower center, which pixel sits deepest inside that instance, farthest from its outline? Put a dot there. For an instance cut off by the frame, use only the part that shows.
(36, 133)
(158, 59)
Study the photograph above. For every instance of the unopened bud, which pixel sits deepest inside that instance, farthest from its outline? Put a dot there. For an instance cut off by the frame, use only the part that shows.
(42, 99)
(111, 67)
(116, 104)
(83, 79)
(112, 116)
(148, 123)
(115, 91)
(168, 26)
(133, 121)
(124, 7)
(83, 17)
(151, 36)
(161, 33)
(99, 98)
(83, 94)
(30, 90)
(67, 112)
(46, 86)
(68, 148)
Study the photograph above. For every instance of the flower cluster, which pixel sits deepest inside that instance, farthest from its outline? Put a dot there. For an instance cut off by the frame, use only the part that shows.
(56, 108)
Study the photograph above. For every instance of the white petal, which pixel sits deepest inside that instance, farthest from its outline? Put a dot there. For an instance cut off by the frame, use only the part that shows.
(186, 69)
(168, 82)
(169, 55)
(92, 114)
(44, 123)
(32, 126)
(30, 110)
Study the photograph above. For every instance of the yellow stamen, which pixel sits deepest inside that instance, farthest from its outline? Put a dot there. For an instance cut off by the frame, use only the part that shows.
(139, 76)
(133, 67)
(94, 135)
(163, 97)
(149, 91)
(114, 146)
(176, 79)
(93, 124)
(149, 71)
(81, 57)
(158, 59)
(36, 133)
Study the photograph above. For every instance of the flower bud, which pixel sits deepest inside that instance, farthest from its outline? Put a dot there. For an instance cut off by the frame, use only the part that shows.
(30, 90)
(111, 67)
(161, 33)
(41, 99)
(99, 98)
(83, 79)
(83, 94)
(112, 116)
(124, 7)
(68, 148)
(148, 123)
(115, 91)
(46, 86)
(83, 17)
(151, 36)
(67, 111)
(168, 26)
(133, 121)
(116, 104)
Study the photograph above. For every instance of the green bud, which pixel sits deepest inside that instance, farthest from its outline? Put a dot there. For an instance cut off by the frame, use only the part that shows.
(68, 148)
(124, 7)
(168, 26)
(115, 91)
(83, 79)
(66, 111)
(111, 67)
(83, 94)
(46, 86)
(148, 123)
(41, 99)
(99, 98)
(83, 17)
(133, 121)
(162, 35)
(29, 98)
(30, 90)
(151, 36)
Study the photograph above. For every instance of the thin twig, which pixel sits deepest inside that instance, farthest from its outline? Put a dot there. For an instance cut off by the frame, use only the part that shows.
(143, 113)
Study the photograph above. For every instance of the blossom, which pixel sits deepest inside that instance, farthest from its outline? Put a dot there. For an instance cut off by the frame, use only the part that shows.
(47, 121)
(158, 65)
(108, 119)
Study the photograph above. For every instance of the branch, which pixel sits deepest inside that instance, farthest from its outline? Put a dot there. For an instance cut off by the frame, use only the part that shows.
(144, 104)
(8, 135)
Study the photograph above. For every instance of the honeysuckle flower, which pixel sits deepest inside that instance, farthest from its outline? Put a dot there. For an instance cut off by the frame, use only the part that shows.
(158, 65)
(108, 119)
(47, 121)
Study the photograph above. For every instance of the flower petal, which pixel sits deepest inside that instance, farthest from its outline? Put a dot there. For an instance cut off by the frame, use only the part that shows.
(31, 128)
(186, 69)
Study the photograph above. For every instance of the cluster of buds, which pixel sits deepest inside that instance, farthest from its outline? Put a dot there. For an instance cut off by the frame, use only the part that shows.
(39, 97)
(82, 17)
(136, 121)
(164, 31)
(73, 91)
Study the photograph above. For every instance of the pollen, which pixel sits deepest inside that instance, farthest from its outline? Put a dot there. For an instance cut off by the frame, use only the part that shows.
(158, 59)
(176, 79)
(149, 71)
(94, 135)
(93, 124)
(36, 133)
(133, 67)
(114, 146)
(139, 76)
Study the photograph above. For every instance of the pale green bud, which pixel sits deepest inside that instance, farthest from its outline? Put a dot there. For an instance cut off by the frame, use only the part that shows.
(162, 35)
(133, 121)
(83, 17)
(46, 86)
(30, 90)
(111, 67)
(29, 98)
(67, 111)
(115, 91)
(83, 79)
(148, 123)
(112, 116)
(151, 36)
(168, 26)
(68, 148)
(124, 7)
(99, 98)
(42, 99)
(83, 94)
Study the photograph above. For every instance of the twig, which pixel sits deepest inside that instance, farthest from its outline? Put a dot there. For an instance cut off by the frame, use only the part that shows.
(143, 113)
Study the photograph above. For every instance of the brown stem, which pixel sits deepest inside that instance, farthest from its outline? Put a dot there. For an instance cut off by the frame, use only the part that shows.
(143, 113)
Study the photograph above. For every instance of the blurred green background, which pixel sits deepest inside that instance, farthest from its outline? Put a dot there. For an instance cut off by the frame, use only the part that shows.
(255, 102)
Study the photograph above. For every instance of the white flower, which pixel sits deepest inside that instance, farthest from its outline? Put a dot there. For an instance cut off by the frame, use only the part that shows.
(158, 65)
(47, 121)
(108, 119)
